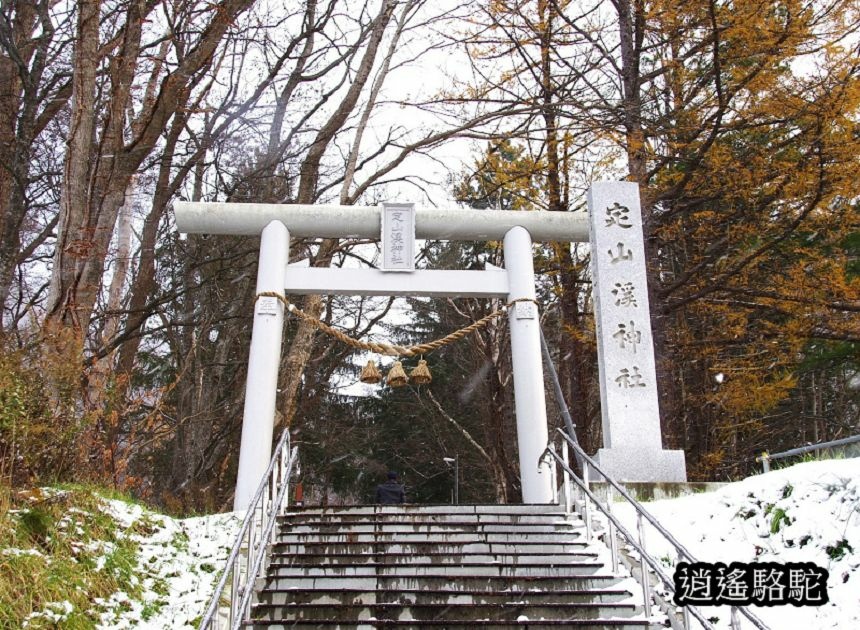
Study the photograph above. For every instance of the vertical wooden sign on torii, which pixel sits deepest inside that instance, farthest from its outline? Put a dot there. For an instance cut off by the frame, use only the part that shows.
(398, 237)
(631, 424)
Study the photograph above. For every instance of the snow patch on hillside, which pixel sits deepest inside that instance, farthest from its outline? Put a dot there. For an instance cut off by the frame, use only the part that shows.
(178, 564)
(809, 512)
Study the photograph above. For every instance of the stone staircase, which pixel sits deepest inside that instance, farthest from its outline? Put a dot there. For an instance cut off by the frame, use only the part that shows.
(491, 566)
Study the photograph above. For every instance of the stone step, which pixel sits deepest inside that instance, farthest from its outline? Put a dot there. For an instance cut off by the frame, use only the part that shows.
(529, 508)
(419, 547)
(408, 517)
(440, 566)
(425, 596)
(443, 558)
(508, 612)
(441, 581)
(431, 537)
(341, 624)
(416, 569)
(442, 528)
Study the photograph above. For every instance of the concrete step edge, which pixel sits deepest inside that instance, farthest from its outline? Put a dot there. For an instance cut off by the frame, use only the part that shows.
(470, 508)
(525, 604)
(559, 592)
(390, 560)
(433, 565)
(360, 516)
(432, 523)
(448, 577)
(468, 541)
(424, 535)
(451, 624)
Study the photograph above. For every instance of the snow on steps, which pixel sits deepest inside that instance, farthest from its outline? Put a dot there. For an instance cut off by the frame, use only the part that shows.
(440, 566)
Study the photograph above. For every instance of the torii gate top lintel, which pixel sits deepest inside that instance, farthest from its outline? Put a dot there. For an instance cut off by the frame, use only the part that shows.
(322, 221)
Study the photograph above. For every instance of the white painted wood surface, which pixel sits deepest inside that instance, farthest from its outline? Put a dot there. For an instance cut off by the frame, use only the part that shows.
(430, 283)
(398, 237)
(322, 221)
(529, 399)
(264, 359)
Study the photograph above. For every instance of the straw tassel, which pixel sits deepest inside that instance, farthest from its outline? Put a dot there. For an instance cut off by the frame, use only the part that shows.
(396, 376)
(420, 375)
(370, 373)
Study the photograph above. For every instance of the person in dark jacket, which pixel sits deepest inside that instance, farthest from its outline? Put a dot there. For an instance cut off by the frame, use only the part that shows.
(390, 491)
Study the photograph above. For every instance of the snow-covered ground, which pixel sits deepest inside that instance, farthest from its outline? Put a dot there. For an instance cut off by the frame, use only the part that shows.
(178, 564)
(809, 512)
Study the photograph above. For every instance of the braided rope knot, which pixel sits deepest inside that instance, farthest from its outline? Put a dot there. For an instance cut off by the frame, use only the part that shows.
(388, 349)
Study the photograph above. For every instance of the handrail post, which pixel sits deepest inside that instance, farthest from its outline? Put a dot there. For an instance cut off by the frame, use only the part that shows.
(568, 499)
(282, 465)
(235, 596)
(765, 461)
(613, 542)
(586, 503)
(248, 560)
(646, 585)
(264, 511)
(735, 619)
(277, 476)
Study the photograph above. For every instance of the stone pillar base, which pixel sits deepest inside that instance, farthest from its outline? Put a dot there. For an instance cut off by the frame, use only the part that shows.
(630, 464)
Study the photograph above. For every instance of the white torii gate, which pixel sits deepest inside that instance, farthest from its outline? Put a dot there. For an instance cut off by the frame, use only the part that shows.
(278, 222)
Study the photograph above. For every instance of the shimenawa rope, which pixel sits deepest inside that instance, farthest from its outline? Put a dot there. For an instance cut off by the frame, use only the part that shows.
(391, 349)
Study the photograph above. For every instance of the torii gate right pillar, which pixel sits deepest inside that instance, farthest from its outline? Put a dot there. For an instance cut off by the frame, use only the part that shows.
(530, 403)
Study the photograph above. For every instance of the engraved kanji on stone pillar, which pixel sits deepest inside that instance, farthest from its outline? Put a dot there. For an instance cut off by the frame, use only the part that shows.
(633, 449)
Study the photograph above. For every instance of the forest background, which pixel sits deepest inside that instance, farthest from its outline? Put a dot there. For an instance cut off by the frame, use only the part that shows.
(124, 344)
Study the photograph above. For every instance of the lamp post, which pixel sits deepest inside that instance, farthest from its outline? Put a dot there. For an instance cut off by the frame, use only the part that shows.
(456, 461)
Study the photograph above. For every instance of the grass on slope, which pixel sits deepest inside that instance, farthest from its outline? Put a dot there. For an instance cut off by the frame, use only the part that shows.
(60, 555)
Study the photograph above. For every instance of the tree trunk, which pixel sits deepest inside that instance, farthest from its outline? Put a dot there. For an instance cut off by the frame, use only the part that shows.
(92, 195)
(74, 245)
(302, 344)
(631, 21)
(100, 375)
(20, 122)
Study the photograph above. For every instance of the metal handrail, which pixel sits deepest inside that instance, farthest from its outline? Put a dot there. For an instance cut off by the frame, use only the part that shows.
(556, 390)
(629, 538)
(765, 457)
(639, 508)
(275, 481)
(585, 462)
(261, 550)
(642, 513)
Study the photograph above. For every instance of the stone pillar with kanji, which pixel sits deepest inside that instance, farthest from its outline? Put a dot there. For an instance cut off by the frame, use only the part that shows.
(633, 449)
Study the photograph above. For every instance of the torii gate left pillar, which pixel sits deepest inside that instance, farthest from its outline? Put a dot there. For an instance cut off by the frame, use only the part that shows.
(261, 386)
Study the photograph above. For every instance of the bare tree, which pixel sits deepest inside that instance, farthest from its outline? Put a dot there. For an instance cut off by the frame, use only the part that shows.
(106, 148)
(33, 46)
